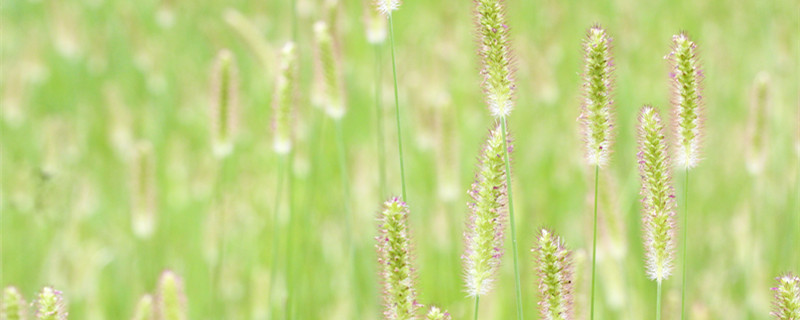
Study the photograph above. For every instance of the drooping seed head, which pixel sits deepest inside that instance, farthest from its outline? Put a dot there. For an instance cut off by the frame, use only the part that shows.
(223, 106)
(486, 222)
(375, 25)
(394, 258)
(51, 305)
(758, 124)
(596, 114)
(787, 298)
(170, 298)
(436, 314)
(686, 77)
(144, 308)
(554, 267)
(330, 94)
(386, 7)
(284, 100)
(658, 196)
(143, 193)
(497, 71)
(13, 305)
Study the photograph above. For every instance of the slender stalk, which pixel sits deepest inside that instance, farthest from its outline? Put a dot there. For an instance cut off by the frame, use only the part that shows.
(347, 208)
(685, 232)
(658, 301)
(217, 271)
(276, 231)
(397, 112)
(511, 219)
(379, 122)
(477, 298)
(290, 286)
(594, 237)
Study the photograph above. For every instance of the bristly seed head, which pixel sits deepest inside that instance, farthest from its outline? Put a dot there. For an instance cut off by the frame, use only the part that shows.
(787, 298)
(394, 258)
(385, 7)
(51, 305)
(223, 106)
(554, 267)
(13, 305)
(375, 25)
(171, 300)
(284, 100)
(686, 77)
(144, 309)
(331, 92)
(658, 196)
(486, 222)
(596, 114)
(436, 314)
(498, 78)
(143, 190)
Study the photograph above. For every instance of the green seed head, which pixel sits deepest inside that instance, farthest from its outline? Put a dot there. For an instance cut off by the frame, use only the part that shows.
(787, 298)
(394, 258)
(596, 116)
(51, 305)
(171, 301)
(13, 305)
(284, 100)
(686, 76)
(658, 196)
(498, 79)
(143, 193)
(144, 309)
(554, 267)
(386, 7)
(331, 92)
(436, 314)
(223, 105)
(758, 124)
(486, 225)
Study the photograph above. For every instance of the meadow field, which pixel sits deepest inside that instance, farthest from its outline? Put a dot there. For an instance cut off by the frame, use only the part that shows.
(111, 171)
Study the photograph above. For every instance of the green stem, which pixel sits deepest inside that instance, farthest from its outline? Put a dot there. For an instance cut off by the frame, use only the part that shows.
(379, 122)
(275, 233)
(511, 219)
(685, 232)
(594, 238)
(658, 301)
(220, 211)
(477, 297)
(290, 286)
(347, 209)
(397, 111)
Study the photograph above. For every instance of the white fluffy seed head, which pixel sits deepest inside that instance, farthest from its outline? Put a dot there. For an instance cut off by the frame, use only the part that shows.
(386, 7)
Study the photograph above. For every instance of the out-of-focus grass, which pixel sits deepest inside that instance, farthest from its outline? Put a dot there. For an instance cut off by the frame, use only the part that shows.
(82, 80)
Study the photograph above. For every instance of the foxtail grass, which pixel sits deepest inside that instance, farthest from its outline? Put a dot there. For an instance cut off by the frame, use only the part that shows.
(686, 75)
(499, 87)
(51, 305)
(596, 118)
(395, 262)
(484, 237)
(13, 305)
(170, 297)
(658, 199)
(436, 314)
(555, 269)
(223, 106)
(143, 192)
(144, 308)
(786, 304)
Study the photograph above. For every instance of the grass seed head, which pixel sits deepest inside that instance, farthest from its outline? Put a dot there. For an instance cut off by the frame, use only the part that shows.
(554, 267)
(224, 103)
(144, 308)
(658, 196)
(13, 305)
(284, 100)
(686, 75)
(787, 298)
(437, 314)
(170, 298)
(486, 223)
(51, 305)
(497, 70)
(596, 114)
(331, 93)
(395, 260)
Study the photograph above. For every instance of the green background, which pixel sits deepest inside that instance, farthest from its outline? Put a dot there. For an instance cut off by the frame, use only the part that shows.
(82, 81)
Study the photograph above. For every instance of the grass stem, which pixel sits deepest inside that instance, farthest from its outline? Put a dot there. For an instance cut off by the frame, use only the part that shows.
(397, 112)
(276, 231)
(511, 219)
(594, 238)
(477, 298)
(658, 301)
(685, 232)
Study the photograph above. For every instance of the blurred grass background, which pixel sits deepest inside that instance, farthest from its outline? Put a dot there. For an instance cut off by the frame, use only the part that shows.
(82, 81)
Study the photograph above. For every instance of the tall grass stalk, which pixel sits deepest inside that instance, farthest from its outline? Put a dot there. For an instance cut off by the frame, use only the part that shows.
(594, 239)
(658, 300)
(507, 160)
(397, 110)
(281, 160)
(477, 300)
